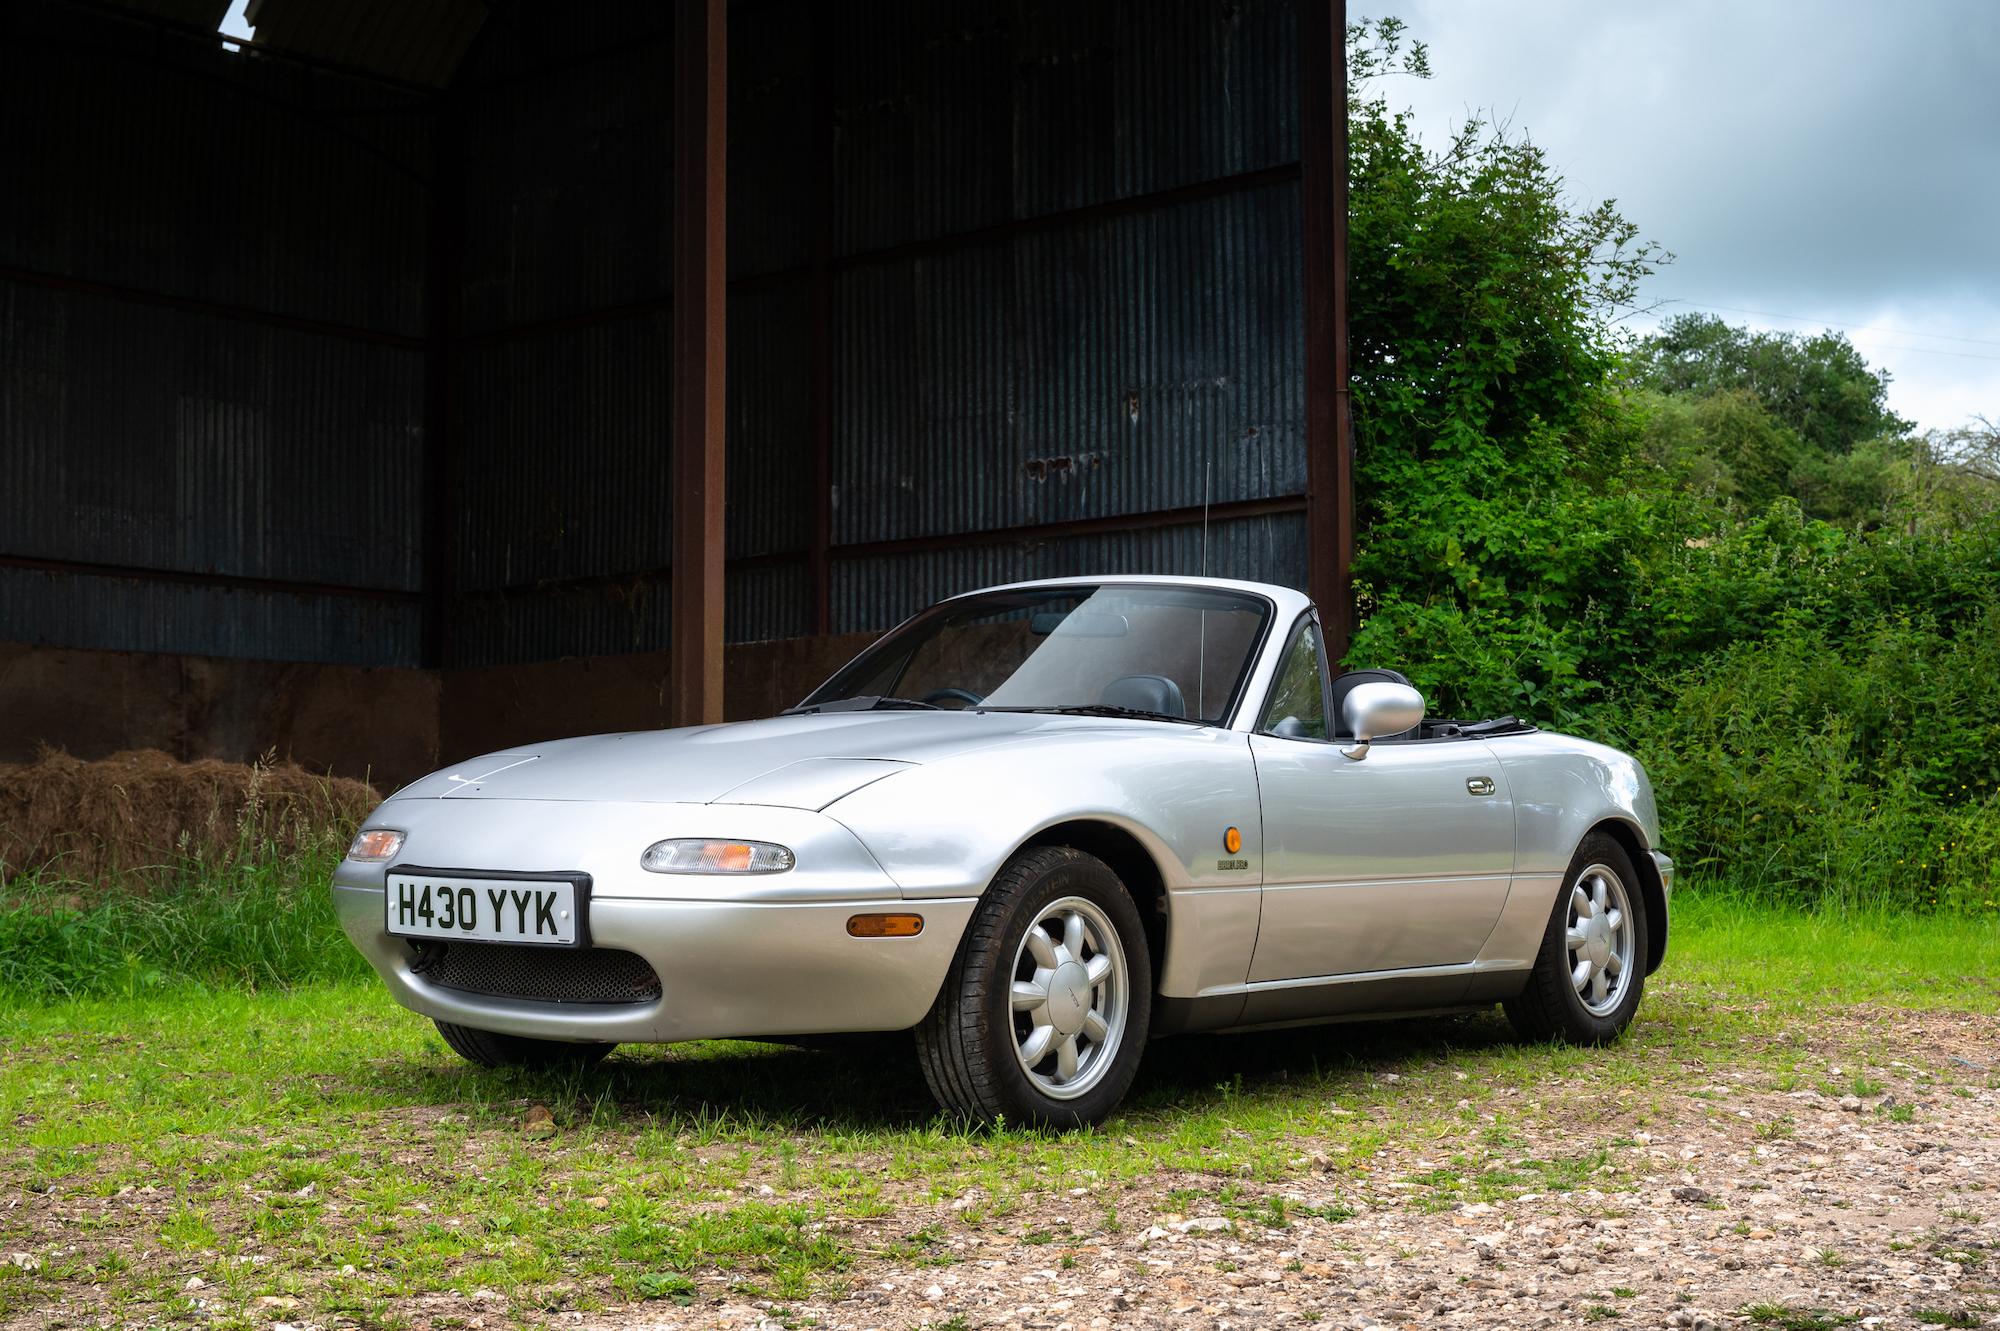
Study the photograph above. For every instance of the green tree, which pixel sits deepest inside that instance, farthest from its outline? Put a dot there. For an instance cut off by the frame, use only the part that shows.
(1759, 415)
(1724, 442)
(1820, 387)
(1489, 434)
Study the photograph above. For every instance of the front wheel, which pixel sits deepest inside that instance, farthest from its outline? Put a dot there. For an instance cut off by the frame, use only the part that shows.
(491, 1049)
(1590, 972)
(1044, 1012)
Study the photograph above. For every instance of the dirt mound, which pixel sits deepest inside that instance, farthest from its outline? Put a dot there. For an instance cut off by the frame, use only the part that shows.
(139, 813)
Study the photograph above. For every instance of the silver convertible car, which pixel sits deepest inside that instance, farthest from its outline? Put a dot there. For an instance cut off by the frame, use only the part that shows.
(1039, 826)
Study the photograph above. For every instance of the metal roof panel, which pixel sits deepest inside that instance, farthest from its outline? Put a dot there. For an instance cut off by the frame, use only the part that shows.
(415, 41)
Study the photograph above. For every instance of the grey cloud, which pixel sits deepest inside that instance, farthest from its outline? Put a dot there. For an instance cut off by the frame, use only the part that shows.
(1834, 159)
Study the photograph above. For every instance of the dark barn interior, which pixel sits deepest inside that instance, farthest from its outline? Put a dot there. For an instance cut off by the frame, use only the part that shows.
(417, 379)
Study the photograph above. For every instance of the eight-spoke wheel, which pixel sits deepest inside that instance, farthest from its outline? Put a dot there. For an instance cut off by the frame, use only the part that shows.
(1070, 996)
(1598, 939)
(1591, 968)
(1044, 1012)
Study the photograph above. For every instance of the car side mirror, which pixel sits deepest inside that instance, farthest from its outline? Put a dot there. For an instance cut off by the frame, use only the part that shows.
(1371, 710)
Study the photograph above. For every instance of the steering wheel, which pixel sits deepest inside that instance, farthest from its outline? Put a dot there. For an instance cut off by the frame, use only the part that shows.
(961, 694)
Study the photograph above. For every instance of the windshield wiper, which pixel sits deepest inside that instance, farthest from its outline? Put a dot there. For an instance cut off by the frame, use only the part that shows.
(1100, 709)
(866, 703)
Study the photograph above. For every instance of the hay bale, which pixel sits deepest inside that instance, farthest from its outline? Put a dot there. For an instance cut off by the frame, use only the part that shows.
(140, 814)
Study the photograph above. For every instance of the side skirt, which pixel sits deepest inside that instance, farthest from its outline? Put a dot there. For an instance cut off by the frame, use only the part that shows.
(1320, 1000)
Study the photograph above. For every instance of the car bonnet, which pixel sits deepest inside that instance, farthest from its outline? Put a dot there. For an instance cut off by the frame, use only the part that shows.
(780, 761)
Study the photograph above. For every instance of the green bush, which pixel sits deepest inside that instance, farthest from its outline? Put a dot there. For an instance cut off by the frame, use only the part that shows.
(1826, 769)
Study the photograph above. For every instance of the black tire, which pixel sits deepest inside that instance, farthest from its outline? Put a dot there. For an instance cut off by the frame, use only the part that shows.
(968, 1044)
(1550, 1007)
(491, 1049)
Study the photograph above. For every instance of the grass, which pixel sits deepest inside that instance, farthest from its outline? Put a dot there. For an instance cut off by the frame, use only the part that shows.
(1858, 956)
(1795, 1319)
(321, 1144)
(258, 923)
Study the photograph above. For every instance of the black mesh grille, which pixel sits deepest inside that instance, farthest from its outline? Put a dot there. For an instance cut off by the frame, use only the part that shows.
(546, 974)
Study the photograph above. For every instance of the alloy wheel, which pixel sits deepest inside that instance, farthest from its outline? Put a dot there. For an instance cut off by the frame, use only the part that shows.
(1600, 938)
(1071, 997)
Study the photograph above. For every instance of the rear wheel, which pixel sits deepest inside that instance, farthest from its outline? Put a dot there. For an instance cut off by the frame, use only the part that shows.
(1590, 973)
(491, 1049)
(1043, 1015)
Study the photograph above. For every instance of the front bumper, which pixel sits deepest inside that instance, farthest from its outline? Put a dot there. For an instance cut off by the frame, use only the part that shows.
(727, 969)
(1666, 868)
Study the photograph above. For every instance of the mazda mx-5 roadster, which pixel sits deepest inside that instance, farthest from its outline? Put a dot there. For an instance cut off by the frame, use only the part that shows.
(1037, 827)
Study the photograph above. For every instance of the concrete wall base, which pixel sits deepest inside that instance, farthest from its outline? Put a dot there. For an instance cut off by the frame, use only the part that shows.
(384, 724)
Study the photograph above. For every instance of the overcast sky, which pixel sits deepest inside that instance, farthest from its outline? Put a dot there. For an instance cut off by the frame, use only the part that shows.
(1823, 164)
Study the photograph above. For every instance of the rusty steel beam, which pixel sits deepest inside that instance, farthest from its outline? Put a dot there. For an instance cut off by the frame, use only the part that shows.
(1038, 534)
(594, 55)
(1096, 212)
(1044, 532)
(226, 581)
(443, 284)
(160, 299)
(1329, 421)
(700, 210)
(605, 314)
(819, 382)
(1084, 216)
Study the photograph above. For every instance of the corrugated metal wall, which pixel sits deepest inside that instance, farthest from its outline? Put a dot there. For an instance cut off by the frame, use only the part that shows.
(1161, 351)
(161, 438)
(1158, 351)
(565, 429)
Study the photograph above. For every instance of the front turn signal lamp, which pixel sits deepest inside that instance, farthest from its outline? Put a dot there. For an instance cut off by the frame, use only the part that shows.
(885, 926)
(697, 855)
(375, 844)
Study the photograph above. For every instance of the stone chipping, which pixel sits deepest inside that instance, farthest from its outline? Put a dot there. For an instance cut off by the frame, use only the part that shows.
(1853, 1220)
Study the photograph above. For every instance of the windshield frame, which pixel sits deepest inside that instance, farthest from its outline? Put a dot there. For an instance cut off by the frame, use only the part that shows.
(1227, 718)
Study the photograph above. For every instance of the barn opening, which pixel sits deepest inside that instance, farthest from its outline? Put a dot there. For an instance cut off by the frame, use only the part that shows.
(386, 383)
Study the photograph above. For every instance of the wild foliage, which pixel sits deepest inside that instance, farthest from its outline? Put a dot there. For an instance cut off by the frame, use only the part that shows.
(1717, 547)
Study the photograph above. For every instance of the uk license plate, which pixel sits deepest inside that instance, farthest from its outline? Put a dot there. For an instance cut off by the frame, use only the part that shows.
(485, 910)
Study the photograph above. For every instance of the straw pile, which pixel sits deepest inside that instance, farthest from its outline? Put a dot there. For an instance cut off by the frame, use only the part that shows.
(138, 815)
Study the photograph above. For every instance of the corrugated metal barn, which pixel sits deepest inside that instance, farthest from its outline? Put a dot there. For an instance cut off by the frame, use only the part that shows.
(446, 340)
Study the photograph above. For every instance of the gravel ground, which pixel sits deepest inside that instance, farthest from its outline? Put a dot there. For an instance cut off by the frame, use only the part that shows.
(1683, 1187)
(1855, 1218)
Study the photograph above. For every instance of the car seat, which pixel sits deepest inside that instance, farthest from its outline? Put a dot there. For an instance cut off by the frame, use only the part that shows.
(1144, 693)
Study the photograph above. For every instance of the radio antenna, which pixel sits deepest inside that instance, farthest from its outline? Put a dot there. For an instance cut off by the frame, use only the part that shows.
(1207, 488)
(1201, 652)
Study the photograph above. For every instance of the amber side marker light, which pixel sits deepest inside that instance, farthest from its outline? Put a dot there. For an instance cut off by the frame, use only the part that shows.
(885, 926)
(1232, 841)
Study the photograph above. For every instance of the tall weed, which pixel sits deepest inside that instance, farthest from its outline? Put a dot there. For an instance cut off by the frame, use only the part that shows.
(1971, 851)
(262, 925)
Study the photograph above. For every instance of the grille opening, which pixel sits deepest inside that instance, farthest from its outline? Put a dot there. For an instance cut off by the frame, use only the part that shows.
(541, 974)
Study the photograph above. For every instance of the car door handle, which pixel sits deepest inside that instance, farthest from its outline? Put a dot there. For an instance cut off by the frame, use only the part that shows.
(1479, 785)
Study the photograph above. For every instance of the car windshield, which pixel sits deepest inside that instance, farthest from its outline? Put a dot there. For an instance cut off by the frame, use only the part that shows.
(1163, 650)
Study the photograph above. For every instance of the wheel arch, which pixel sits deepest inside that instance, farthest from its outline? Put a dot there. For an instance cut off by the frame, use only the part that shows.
(1135, 866)
(1651, 889)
